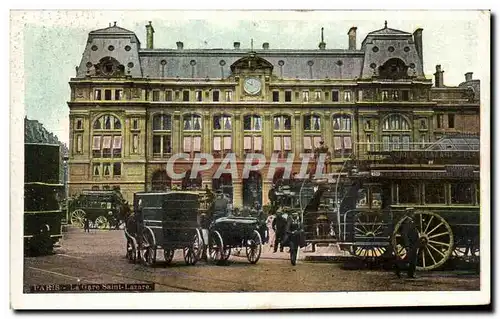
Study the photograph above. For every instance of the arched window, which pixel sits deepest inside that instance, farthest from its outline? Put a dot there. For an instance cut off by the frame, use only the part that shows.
(393, 69)
(107, 145)
(192, 127)
(282, 135)
(252, 139)
(222, 128)
(396, 133)
(162, 135)
(189, 183)
(342, 140)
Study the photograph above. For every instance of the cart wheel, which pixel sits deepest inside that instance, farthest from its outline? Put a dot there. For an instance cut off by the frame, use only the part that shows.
(168, 254)
(101, 222)
(368, 226)
(77, 217)
(253, 247)
(193, 253)
(148, 249)
(226, 253)
(435, 240)
(215, 247)
(131, 252)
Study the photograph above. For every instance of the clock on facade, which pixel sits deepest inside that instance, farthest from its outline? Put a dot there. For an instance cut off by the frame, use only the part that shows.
(252, 86)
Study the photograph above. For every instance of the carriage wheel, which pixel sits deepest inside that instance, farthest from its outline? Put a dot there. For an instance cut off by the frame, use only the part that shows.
(435, 240)
(131, 252)
(193, 253)
(215, 247)
(367, 226)
(101, 222)
(226, 253)
(148, 249)
(253, 247)
(77, 217)
(468, 251)
(168, 255)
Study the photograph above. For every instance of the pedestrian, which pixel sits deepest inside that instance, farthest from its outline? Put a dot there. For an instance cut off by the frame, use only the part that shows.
(279, 227)
(269, 224)
(86, 225)
(410, 240)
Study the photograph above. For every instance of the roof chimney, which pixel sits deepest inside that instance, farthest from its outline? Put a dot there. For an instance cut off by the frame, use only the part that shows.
(149, 35)
(468, 76)
(236, 45)
(322, 44)
(265, 45)
(438, 77)
(180, 45)
(352, 38)
(417, 38)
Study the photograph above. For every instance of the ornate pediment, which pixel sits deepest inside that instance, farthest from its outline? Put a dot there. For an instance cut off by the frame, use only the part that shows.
(109, 67)
(251, 62)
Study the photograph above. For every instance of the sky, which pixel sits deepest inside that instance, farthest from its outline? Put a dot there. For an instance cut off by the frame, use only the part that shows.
(53, 42)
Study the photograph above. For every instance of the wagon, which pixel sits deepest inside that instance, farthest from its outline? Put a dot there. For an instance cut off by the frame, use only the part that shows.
(167, 222)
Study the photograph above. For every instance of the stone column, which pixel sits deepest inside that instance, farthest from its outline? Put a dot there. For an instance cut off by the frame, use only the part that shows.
(298, 134)
(267, 134)
(237, 193)
(176, 133)
(266, 186)
(237, 135)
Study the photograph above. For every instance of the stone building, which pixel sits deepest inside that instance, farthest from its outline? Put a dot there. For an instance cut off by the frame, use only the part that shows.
(133, 106)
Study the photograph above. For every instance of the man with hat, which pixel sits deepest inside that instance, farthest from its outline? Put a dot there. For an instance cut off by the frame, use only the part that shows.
(410, 239)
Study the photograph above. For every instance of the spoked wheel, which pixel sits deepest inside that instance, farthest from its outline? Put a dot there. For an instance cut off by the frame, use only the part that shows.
(193, 253)
(101, 222)
(467, 250)
(226, 253)
(215, 247)
(148, 249)
(435, 240)
(368, 227)
(131, 252)
(168, 255)
(253, 247)
(77, 217)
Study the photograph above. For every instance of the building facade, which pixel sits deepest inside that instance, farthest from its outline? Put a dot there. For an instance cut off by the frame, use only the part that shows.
(132, 108)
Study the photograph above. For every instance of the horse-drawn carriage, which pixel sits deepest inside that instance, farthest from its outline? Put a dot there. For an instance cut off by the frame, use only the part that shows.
(168, 221)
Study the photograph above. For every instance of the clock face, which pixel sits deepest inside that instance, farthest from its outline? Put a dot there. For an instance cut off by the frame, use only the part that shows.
(252, 86)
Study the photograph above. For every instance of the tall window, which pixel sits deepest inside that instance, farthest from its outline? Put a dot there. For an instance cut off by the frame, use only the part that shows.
(229, 96)
(347, 96)
(78, 144)
(215, 96)
(282, 134)
(305, 96)
(276, 96)
(107, 146)
(317, 95)
(222, 129)
(288, 96)
(252, 140)
(335, 96)
(156, 95)
(199, 95)
(169, 95)
(162, 135)
(342, 142)
(312, 132)
(192, 133)
(185, 96)
(462, 193)
(407, 192)
(395, 133)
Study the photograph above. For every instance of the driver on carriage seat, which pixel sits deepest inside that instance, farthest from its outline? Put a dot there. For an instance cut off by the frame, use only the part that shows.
(220, 206)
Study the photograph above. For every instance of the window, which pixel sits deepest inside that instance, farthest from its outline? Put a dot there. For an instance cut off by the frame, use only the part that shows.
(288, 96)
(222, 144)
(162, 135)
(347, 96)
(276, 96)
(229, 96)
(360, 95)
(79, 144)
(335, 96)
(368, 125)
(342, 140)
(107, 95)
(395, 95)
(215, 96)
(282, 123)
(107, 139)
(312, 123)
(407, 192)
(305, 96)
(317, 95)
(222, 122)
(192, 122)
(451, 120)
(385, 95)
(369, 142)
(106, 169)
(97, 95)
(252, 123)
(135, 143)
(156, 95)
(311, 142)
(462, 193)
(405, 95)
(118, 95)
(440, 120)
(252, 143)
(199, 96)
(395, 133)
(185, 96)
(177, 95)
(96, 169)
(135, 124)
(423, 124)
(117, 169)
(434, 193)
(79, 124)
(168, 95)
(191, 144)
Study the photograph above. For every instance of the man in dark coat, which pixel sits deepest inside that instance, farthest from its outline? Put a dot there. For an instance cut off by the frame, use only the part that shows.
(410, 240)
(279, 227)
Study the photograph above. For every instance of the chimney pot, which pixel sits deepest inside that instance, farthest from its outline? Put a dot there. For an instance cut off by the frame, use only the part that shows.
(149, 35)
(468, 76)
(322, 46)
(236, 45)
(439, 76)
(352, 38)
(265, 46)
(180, 45)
